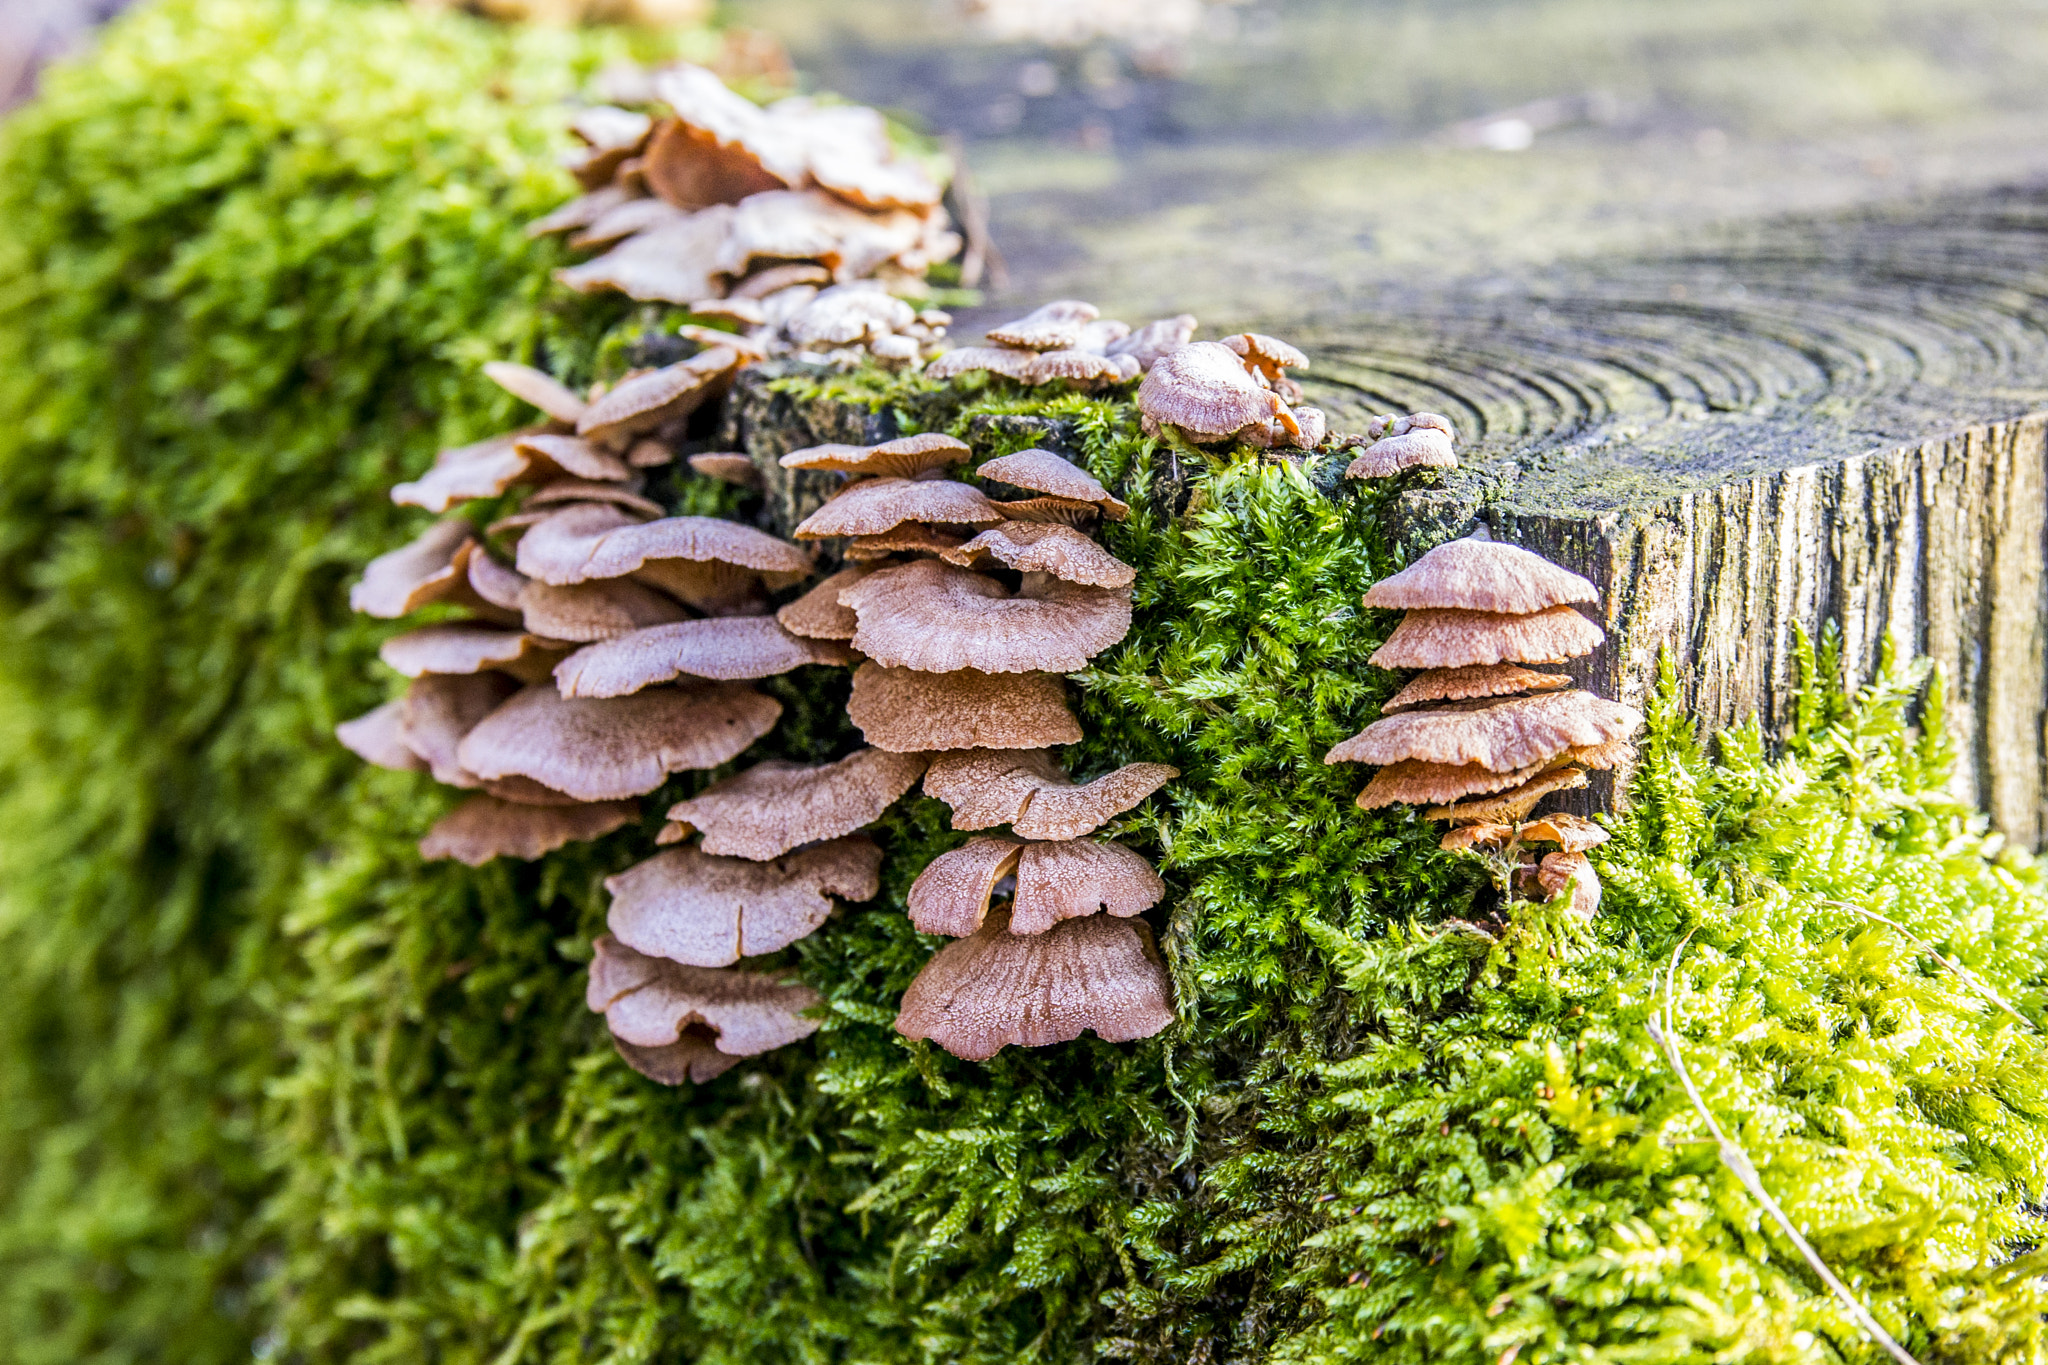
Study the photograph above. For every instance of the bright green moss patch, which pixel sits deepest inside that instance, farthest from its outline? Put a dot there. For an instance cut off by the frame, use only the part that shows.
(272, 1080)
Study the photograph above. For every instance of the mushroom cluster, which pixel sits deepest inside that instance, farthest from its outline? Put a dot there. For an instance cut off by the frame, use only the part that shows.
(1478, 737)
(1235, 391)
(796, 221)
(608, 648)
(1419, 440)
(967, 610)
(1068, 340)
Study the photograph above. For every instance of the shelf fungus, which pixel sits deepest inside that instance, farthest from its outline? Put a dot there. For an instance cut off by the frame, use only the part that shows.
(907, 711)
(1419, 440)
(1478, 739)
(935, 618)
(1211, 392)
(702, 910)
(674, 1023)
(774, 807)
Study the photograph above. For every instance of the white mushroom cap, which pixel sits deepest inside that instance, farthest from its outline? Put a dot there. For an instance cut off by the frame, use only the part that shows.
(673, 264)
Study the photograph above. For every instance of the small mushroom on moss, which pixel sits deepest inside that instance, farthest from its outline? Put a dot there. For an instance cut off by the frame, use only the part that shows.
(951, 896)
(377, 737)
(1470, 683)
(1560, 870)
(1454, 639)
(625, 746)
(536, 387)
(1027, 790)
(484, 827)
(1073, 878)
(995, 989)
(1482, 576)
(691, 907)
(1044, 547)
(725, 649)
(1468, 837)
(1422, 440)
(874, 506)
(1573, 833)
(1268, 359)
(775, 806)
(1204, 391)
(906, 711)
(1041, 471)
(674, 1023)
(933, 617)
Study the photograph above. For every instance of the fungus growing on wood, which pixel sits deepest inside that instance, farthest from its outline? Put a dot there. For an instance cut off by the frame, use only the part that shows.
(1572, 833)
(1204, 391)
(819, 614)
(1069, 879)
(724, 649)
(1420, 440)
(1055, 326)
(466, 647)
(431, 569)
(484, 469)
(1029, 791)
(908, 457)
(1560, 870)
(1514, 804)
(485, 827)
(1482, 576)
(773, 807)
(1063, 340)
(994, 988)
(606, 750)
(909, 538)
(591, 541)
(652, 400)
(1041, 471)
(564, 491)
(674, 1023)
(602, 610)
(874, 506)
(936, 618)
(1472, 682)
(536, 387)
(437, 711)
(377, 737)
(551, 455)
(704, 911)
(1450, 638)
(1499, 735)
(1043, 547)
(728, 467)
(906, 711)
(951, 896)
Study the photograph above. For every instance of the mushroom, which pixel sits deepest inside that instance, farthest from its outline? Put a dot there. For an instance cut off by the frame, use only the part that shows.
(690, 170)
(1155, 339)
(1073, 878)
(1559, 870)
(818, 614)
(1482, 576)
(994, 988)
(1027, 790)
(936, 618)
(873, 506)
(593, 541)
(777, 278)
(773, 807)
(579, 212)
(1498, 735)
(1414, 783)
(466, 647)
(1574, 833)
(704, 911)
(1043, 547)
(536, 387)
(728, 467)
(1470, 682)
(1268, 359)
(909, 538)
(563, 491)
(483, 470)
(677, 263)
(1451, 638)
(1422, 439)
(1204, 391)
(1061, 511)
(484, 827)
(1468, 837)
(951, 895)
(674, 1023)
(1011, 364)
(616, 224)
(1513, 804)
(550, 455)
(377, 737)
(658, 397)
(726, 649)
(438, 711)
(905, 711)
(493, 582)
(751, 350)
(1041, 471)
(908, 457)
(1055, 326)
(595, 611)
(611, 749)
(849, 314)
(431, 569)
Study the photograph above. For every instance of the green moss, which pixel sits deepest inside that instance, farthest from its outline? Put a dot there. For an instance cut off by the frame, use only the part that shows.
(269, 1074)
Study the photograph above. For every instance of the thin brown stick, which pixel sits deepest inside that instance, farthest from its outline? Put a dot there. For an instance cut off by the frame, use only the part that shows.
(981, 257)
(1969, 978)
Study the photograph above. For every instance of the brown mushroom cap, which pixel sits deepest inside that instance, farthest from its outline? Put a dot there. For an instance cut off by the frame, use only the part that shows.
(1054, 327)
(1388, 456)
(725, 649)
(604, 610)
(691, 170)
(1053, 511)
(728, 467)
(1268, 355)
(1468, 837)
(772, 807)
(673, 264)
(1041, 471)
(1074, 878)
(483, 470)
(912, 537)
(624, 746)
(484, 827)
(1413, 783)
(378, 737)
(1573, 832)
(524, 791)
(1011, 364)
(907, 457)
(674, 1023)
(1205, 391)
(874, 506)
(818, 614)
(1484, 576)
(936, 618)
(951, 895)
(1514, 804)
(1027, 790)
(1498, 735)
(983, 993)
(1454, 639)
(1044, 547)
(463, 647)
(705, 911)
(574, 456)
(905, 711)
(1155, 339)
(537, 387)
(592, 541)
(1469, 683)
(648, 453)
(1559, 870)
(495, 583)
(562, 491)
(658, 397)
(433, 568)
(437, 711)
